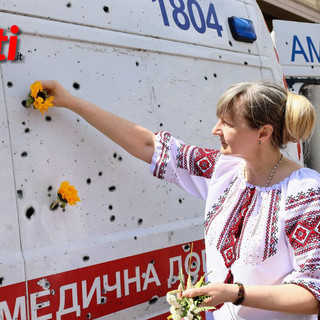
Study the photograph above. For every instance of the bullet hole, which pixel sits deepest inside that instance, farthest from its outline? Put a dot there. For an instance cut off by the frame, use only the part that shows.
(88, 181)
(49, 195)
(103, 300)
(24, 103)
(115, 155)
(48, 118)
(152, 262)
(112, 188)
(112, 218)
(194, 264)
(312, 67)
(245, 63)
(140, 221)
(88, 315)
(76, 85)
(137, 63)
(50, 188)
(205, 78)
(231, 45)
(287, 43)
(186, 247)
(153, 300)
(30, 212)
(68, 5)
(86, 258)
(249, 50)
(215, 75)
(20, 194)
(1, 281)
(106, 9)
(44, 283)
(135, 238)
(23, 123)
(110, 207)
(200, 120)
(26, 130)
(161, 124)
(158, 105)
(9, 84)
(100, 173)
(120, 158)
(24, 154)
(180, 200)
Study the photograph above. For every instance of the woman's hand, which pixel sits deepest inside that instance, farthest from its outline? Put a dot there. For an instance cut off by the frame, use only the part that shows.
(218, 292)
(62, 98)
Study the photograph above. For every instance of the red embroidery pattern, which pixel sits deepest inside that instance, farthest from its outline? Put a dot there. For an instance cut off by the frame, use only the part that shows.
(229, 242)
(303, 231)
(271, 239)
(200, 162)
(217, 207)
(303, 198)
(162, 163)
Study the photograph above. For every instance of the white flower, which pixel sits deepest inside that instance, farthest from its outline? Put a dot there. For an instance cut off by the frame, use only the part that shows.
(172, 299)
(176, 313)
(192, 306)
(189, 316)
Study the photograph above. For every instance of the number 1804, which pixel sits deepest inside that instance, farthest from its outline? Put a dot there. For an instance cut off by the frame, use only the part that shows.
(184, 17)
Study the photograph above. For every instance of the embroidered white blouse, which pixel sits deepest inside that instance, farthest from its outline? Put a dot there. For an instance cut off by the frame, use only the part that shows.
(264, 236)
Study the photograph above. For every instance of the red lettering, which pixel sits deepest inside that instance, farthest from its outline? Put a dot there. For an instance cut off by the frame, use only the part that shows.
(12, 43)
(2, 38)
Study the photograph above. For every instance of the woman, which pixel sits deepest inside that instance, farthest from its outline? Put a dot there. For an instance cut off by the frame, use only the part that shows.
(262, 224)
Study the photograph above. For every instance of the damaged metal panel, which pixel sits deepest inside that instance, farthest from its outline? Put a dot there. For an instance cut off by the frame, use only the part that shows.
(116, 253)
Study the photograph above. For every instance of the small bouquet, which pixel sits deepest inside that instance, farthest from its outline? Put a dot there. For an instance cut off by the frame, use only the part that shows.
(66, 194)
(39, 97)
(187, 308)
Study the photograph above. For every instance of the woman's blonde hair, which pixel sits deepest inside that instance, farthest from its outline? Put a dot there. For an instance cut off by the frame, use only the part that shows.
(262, 102)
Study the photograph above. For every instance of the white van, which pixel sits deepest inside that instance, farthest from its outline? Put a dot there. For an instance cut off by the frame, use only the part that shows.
(298, 46)
(160, 63)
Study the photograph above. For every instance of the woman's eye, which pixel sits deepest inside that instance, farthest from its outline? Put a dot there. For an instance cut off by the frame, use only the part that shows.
(224, 122)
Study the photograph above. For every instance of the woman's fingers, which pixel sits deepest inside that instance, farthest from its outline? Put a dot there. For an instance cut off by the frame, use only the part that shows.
(55, 89)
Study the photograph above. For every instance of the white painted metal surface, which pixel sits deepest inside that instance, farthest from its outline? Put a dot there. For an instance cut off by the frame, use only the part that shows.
(124, 58)
(298, 47)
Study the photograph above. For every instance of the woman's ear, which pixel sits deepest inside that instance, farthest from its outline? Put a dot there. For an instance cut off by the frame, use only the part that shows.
(265, 133)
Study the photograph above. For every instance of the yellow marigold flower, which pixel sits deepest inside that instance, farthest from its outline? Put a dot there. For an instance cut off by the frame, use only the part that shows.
(39, 97)
(68, 193)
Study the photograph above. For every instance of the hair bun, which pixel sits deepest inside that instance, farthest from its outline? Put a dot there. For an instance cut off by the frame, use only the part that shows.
(299, 119)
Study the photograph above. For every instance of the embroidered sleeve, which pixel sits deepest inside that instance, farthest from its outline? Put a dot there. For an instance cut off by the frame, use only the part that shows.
(187, 166)
(303, 232)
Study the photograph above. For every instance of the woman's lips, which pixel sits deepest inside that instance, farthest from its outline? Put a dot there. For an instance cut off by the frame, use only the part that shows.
(224, 144)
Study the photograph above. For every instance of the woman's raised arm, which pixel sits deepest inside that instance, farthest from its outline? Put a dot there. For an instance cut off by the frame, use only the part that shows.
(135, 139)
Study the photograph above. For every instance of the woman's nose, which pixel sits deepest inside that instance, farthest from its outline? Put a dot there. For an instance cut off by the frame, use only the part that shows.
(216, 130)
